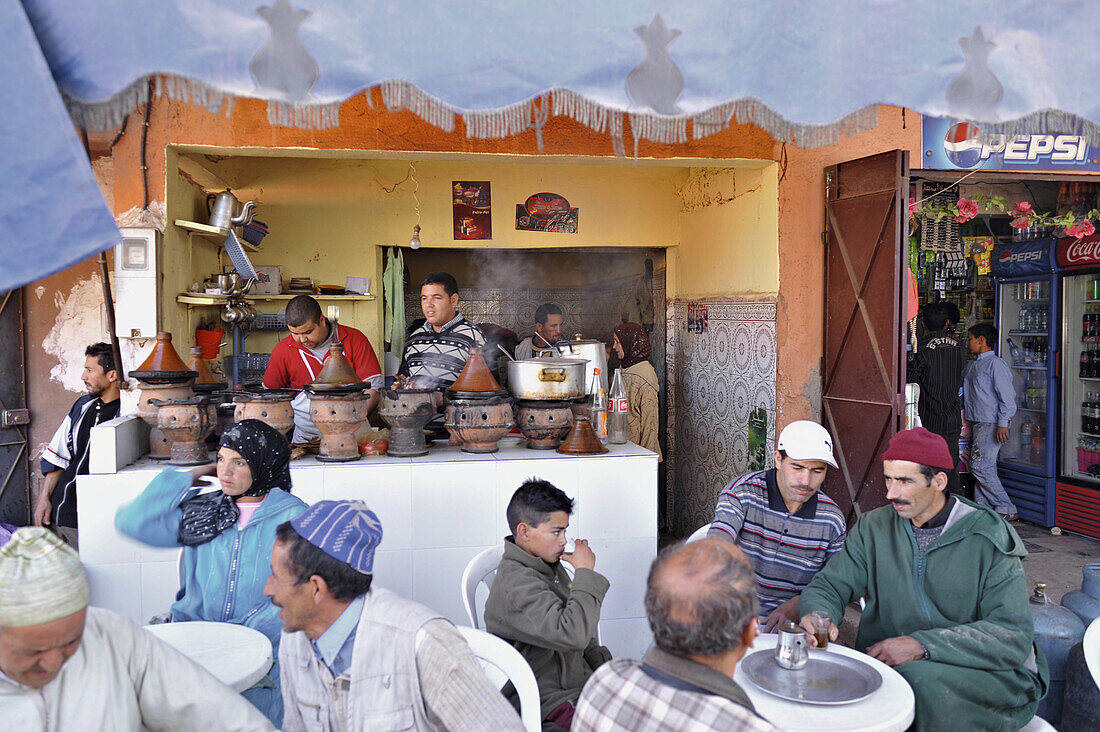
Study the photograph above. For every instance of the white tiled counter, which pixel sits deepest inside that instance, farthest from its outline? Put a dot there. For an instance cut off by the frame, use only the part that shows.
(437, 512)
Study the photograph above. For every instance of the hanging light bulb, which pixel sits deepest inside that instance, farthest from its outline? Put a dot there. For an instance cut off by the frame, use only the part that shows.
(414, 243)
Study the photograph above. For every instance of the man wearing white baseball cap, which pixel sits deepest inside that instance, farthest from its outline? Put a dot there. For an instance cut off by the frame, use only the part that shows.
(782, 522)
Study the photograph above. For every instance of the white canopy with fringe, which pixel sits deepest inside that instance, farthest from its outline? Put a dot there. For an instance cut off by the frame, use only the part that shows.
(805, 71)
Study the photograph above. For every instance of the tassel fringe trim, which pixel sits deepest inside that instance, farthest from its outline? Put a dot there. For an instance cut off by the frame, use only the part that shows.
(534, 113)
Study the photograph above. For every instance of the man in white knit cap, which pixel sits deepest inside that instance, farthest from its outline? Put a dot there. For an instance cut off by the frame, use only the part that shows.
(67, 666)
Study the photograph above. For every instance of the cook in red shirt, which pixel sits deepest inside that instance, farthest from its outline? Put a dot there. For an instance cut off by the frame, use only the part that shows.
(297, 359)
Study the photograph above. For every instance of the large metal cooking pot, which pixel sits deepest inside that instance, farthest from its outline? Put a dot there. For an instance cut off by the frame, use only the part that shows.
(547, 378)
(592, 351)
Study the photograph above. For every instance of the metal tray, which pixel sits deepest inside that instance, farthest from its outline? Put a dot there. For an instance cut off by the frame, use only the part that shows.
(828, 678)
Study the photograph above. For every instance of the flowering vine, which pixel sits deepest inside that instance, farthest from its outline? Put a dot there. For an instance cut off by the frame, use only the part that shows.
(1023, 214)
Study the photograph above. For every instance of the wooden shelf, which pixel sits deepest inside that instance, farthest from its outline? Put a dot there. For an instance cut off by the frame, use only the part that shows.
(212, 234)
(196, 298)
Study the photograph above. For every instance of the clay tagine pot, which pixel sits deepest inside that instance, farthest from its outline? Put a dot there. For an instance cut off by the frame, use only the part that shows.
(406, 411)
(337, 375)
(479, 423)
(206, 382)
(164, 365)
(544, 423)
(159, 447)
(186, 423)
(336, 417)
(270, 407)
(476, 378)
(582, 439)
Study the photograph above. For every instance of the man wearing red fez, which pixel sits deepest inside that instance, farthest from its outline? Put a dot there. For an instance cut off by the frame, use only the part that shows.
(946, 598)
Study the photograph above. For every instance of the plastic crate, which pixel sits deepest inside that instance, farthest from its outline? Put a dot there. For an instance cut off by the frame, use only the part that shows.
(246, 362)
(268, 321)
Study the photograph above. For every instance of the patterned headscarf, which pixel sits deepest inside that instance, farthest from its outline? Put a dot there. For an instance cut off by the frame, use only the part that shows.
(635, 342)
(268, 456)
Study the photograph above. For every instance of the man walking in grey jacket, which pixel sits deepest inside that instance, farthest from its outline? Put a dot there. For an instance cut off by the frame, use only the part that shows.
(989, 403)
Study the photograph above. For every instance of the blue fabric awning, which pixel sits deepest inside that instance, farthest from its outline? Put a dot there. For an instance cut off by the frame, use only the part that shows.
(804, 70)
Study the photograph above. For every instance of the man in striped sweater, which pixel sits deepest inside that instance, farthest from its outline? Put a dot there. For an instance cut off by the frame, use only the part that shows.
(436, 353)
(782, 521)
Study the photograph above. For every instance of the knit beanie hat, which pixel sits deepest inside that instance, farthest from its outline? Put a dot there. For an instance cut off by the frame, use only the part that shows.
(41, 579)
(918, 445)
(345, 530)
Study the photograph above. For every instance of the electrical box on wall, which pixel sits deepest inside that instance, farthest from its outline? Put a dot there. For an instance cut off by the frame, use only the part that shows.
(136, 283)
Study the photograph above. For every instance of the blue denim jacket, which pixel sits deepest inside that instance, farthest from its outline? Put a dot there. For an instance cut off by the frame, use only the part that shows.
(223, 579)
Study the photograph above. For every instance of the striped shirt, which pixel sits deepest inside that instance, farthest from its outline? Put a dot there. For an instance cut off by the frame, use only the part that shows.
(786, 549)
(937, 367)
(435, 359)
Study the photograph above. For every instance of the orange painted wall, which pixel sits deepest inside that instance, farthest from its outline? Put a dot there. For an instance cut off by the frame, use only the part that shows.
(366, 127)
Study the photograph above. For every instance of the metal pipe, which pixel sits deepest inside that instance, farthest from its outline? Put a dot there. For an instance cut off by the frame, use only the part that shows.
(109, 302)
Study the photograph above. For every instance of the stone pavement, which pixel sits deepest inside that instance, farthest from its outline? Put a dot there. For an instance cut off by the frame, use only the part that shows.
(1056, 560)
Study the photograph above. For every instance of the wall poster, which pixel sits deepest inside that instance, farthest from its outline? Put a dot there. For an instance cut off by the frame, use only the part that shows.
(547, 212)
(473, 217)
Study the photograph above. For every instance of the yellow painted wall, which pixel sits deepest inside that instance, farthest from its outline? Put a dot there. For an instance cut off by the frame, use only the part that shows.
(729, 243)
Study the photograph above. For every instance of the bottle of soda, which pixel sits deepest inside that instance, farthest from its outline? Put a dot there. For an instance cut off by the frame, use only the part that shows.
(1086, 413)
(1037, 442)
(598, 410)
(1025, 438)
(618, 411)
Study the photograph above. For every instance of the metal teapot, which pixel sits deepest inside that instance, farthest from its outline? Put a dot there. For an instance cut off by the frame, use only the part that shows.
(221, 207)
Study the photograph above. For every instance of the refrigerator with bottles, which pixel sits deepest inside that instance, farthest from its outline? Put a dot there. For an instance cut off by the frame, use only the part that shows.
(1077, 492)
(1028, 332)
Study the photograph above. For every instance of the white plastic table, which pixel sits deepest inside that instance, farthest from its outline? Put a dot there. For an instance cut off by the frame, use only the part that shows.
(237, 656)
(1091, 643)
(889, 708)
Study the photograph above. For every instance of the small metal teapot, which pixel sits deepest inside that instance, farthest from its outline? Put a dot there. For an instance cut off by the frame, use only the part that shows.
(221, 207)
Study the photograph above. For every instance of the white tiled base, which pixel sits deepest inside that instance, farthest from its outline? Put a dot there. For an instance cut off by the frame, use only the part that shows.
(437, 512)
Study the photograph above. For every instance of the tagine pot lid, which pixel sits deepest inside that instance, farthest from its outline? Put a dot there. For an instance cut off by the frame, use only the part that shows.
(198, 364)
(582, 439)
(476, 376)
(337, 373)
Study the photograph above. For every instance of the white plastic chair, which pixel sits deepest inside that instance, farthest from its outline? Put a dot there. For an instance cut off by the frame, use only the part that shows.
(504, 663)
(699, 533)
(1038, 724)
(482, 568)
(1091, 643)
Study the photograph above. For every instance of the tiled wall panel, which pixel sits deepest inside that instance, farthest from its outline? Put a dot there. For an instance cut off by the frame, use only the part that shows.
(715, 379)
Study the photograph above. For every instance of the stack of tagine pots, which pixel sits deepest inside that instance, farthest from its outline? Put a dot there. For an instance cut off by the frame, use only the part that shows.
(479, 412)
(163, 376)
(337, 405)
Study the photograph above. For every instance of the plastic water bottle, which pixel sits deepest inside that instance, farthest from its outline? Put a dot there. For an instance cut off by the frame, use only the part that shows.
(618, 411)
(1025, 439)
(1014, 350)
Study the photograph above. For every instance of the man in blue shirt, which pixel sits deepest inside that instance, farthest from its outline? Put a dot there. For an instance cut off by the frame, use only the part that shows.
(989, 400)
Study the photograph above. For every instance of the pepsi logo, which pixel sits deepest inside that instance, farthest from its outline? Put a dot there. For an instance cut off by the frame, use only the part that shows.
(962, 146)
(1032, 255)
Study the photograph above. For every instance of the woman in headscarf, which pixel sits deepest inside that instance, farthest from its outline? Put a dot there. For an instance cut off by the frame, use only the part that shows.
(631, 344)
(227, 536)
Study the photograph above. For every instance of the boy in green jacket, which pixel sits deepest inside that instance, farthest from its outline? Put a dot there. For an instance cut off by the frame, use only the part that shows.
(532, 604)
(947, 602)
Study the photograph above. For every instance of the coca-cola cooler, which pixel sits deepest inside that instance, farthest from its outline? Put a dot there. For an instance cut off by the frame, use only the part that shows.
(1077, 493)
(1028, 329)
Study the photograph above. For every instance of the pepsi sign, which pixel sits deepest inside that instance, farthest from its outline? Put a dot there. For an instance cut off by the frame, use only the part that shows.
(1020, 258)
(951, 144)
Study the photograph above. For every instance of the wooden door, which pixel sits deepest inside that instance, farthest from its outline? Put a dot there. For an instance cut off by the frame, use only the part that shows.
(14, 418)
(864, 374)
